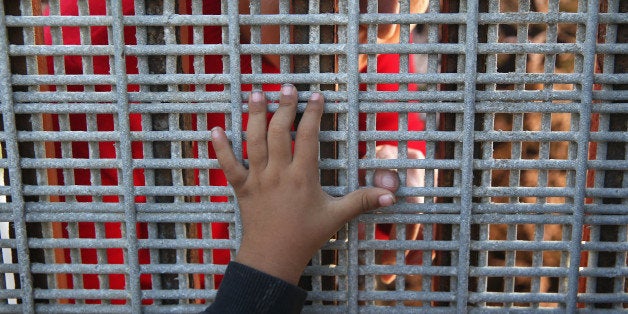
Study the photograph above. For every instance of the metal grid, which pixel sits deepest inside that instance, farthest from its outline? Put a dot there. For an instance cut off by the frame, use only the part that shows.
(501, 230)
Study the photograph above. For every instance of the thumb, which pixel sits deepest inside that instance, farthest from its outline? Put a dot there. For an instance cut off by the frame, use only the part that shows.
(364, 200)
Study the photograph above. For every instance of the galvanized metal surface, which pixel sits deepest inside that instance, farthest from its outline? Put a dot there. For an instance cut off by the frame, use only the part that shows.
(491, 240)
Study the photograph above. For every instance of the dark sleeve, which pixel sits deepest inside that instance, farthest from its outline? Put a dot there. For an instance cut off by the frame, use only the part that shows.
(247, 290)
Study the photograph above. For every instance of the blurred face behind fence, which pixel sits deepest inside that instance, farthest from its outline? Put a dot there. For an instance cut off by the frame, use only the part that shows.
(389, 33)
(386, 33)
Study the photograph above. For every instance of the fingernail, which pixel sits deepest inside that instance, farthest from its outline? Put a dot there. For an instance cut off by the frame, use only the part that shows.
(315, 96)
(388, 181)
(257, 96)
(386, 200)
(214, 131)
(287, 89)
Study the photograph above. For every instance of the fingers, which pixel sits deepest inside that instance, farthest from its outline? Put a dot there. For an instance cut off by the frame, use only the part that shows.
(234, 171)
(387, 179)
(279, 140)
(306, 143)
(256, 131)
(363, 200)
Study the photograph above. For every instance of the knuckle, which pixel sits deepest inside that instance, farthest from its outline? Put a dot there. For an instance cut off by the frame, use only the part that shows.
(276, 131)
(308, 136)
(366, 203)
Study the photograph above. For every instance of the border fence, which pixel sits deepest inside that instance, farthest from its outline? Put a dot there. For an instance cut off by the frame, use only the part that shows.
(112, 200)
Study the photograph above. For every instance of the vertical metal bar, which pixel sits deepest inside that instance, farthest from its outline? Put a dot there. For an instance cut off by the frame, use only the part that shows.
(353, 102)
(371, 282)
(431, 147)
(155, 35)
(128, 189)
(481, 120)
(141, 35)
(203, 147)
(595, 179)
(584, 128)
(92, 126)
(301, 35)
(13, 161)
(234, 90)
(610, 64)
(324, 64)
(485, 150)
(445, 150)
(191, 230)
(29, 36)
(466, 187)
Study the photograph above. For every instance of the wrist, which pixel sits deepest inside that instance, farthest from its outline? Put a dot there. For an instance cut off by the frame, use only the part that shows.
(273, 263)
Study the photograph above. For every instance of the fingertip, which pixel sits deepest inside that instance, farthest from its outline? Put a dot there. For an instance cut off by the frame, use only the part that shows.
(386, 200)
(216, 132)
(256, 96)
(287, 89)
(315, 103)
(387, 179)
(316, 97)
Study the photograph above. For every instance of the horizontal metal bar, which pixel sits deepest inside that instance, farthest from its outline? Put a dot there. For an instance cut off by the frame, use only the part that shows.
(52, 21)
(76, 268)
(408, 164)
(179, 294)
(421, 48)
(183, 269)
(407, 270)
(520, 48)
(523, 208)
(497, 271)
(498, 245)
(409, 219)
(496, 136)
(513, 164)
(180, 308)
(604, 272)
(406, 295)
(104, 294)
(366, 106)
(409, 136)
(523, 191)
(516, 297)
(60, 50)
(607, 192)
(76, 243)
(312, 19)
(186, 244)
(602, 297)
(416, 78)
(605, 246)
(406, 245)
(180, 217)
(54, 208)
(81, 308)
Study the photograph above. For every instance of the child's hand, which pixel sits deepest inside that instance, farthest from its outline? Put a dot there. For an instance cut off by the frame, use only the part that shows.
(286, 216)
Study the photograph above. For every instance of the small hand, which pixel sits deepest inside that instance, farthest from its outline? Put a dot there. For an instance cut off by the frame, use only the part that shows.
(286, 216)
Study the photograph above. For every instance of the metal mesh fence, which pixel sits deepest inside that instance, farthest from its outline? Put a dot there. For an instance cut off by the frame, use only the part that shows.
(112, 200)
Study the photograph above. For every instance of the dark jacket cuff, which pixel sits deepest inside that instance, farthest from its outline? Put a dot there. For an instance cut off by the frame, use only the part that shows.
(248, 290)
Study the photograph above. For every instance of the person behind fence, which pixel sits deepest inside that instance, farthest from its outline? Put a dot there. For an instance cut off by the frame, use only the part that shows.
(99, 35)
(286, 216)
